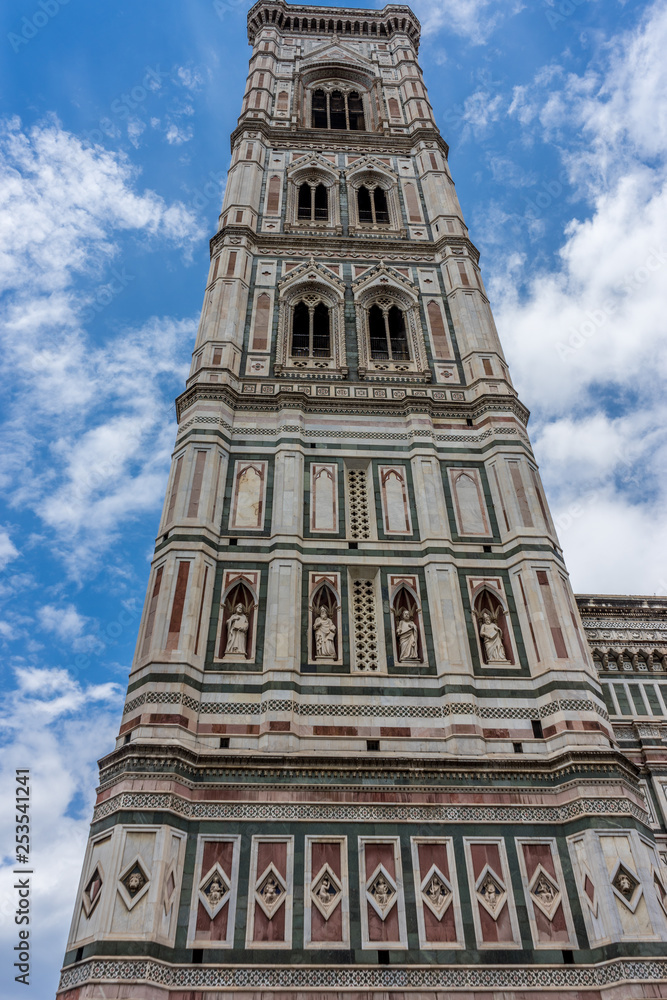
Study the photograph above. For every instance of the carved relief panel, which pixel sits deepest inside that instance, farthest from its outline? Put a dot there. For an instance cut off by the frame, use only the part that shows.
(493, 910)
(381, 895)
(436, 893)
(545, 892)
(326, 893)
(270, 892)
(214, 893)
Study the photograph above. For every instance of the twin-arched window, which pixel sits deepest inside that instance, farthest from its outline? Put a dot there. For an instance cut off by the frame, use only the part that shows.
(372, 204)
(313, 203)
(338, 109)
(311, 331)
(388, 334)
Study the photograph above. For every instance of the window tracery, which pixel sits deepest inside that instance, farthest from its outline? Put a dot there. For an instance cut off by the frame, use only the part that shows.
(337, 107)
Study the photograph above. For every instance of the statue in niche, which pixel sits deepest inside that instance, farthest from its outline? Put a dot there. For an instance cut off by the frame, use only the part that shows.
(492, 636)
(325, 631)
(237, 632)
(406, 633)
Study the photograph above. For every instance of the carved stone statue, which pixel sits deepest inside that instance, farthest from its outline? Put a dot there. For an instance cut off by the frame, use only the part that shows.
(406, 633)
(491, 635)
(381, 891)
(624, 885)
(270, 891)
(135, 882)
(237, 632)
(491, 893)
(324, 890)
(324, 630)
(544, 892)
(436, 890)
(215, 892)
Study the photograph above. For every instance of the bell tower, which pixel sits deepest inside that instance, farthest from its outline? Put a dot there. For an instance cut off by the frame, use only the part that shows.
(364, 751)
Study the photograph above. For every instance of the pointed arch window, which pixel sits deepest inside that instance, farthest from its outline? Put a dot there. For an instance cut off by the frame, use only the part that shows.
(338, 109)
(313, 203)
(372, 205)
(311, 331)
(388, 334)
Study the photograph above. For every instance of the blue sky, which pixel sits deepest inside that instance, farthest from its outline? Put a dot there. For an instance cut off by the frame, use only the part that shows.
(114, 143)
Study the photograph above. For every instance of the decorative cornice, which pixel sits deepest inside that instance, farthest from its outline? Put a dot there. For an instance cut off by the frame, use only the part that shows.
(319, 244)
(298, 400)
(377, 143)
(317, 979)
(358, 770)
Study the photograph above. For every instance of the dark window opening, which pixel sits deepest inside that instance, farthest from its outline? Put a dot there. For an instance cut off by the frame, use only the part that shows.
(388, 335)
(383, 958)
(338, 110)
(311, 332)
(233, 541)
(197, 956)
(224, 742)
(372, 744)
(313, 203)
(372, 205)
(537, 729)
(518, 747)
(79, 955)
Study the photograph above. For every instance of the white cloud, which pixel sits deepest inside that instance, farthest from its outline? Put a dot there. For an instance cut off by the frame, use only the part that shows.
(586, 339)
(176, 135)
(474, 20)
(192, 79)
(8, 550)
(57, 727)
(86, 443)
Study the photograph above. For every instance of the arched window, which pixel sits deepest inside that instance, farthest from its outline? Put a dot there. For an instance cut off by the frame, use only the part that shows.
(338, 109)
(311, 331)
(388, 334)
(372, 204)
(313, 203)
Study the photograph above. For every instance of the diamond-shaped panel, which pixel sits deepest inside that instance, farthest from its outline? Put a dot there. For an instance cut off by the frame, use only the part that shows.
(326, 891)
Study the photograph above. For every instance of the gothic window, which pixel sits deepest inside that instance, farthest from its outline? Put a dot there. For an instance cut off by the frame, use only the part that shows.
(372, 204)
(338, 109)
(388, 334)
(313, 203)
(311, 332)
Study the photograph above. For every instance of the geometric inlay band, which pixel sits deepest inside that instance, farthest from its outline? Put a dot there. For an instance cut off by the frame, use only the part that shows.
(363, 977)
(366, 812)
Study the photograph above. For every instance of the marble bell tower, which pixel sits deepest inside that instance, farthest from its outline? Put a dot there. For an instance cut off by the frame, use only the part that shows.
(364, 751)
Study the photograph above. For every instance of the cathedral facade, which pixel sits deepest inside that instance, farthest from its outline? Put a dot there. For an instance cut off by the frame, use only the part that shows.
(368, 747)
